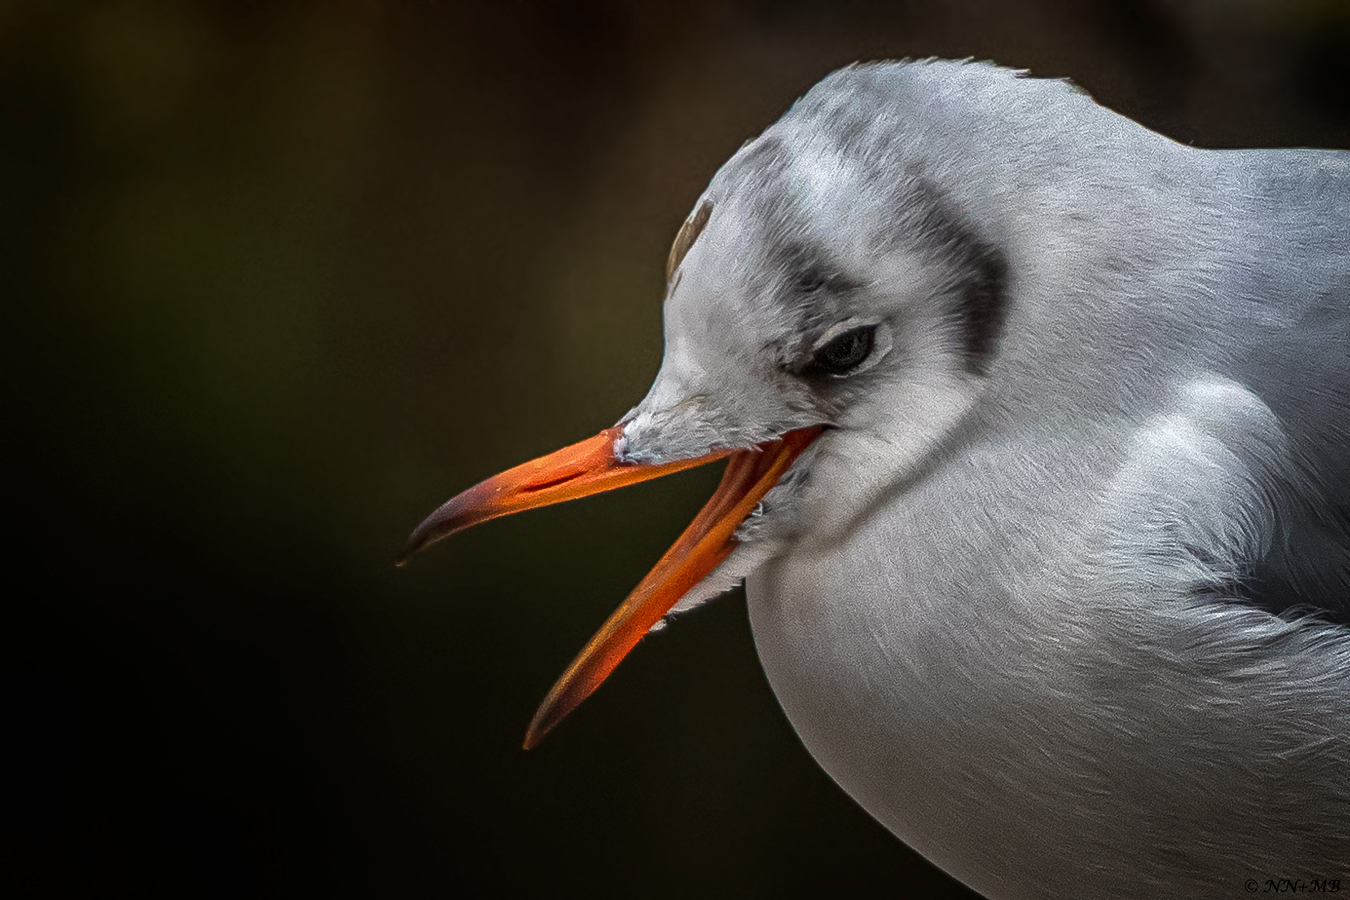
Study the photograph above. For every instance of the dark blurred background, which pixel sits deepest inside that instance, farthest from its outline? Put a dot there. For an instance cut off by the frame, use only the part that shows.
(280, 278)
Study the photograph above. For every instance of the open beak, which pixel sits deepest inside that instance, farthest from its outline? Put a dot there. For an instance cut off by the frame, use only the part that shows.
(590, 467)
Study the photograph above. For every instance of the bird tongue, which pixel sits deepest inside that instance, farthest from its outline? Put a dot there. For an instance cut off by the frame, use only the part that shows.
(590, 467)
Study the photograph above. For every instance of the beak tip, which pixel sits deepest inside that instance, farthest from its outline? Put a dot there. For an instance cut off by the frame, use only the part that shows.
(532, 737)
(544, 719)
(409, 550)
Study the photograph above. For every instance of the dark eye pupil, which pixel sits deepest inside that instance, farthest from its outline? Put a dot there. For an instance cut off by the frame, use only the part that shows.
(845, 352)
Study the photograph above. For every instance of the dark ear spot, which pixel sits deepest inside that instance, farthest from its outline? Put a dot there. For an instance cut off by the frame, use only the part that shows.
(982, 306)
(980, 302)
(689, 232)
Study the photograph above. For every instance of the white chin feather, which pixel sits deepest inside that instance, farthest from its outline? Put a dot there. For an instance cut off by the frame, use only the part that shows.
(745, 559)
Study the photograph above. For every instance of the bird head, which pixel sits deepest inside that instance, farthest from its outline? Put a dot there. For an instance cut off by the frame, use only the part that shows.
(829, 317)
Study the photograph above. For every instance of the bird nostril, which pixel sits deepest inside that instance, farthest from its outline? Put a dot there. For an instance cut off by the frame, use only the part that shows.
(551, 482)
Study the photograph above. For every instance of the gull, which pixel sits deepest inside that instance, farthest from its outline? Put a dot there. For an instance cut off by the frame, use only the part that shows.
(1037, 439)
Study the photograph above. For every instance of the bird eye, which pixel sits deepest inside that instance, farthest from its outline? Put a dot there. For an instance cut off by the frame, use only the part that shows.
(844, 353)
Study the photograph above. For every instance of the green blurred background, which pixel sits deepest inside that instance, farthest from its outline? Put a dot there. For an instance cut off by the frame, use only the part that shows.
(279, 279)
